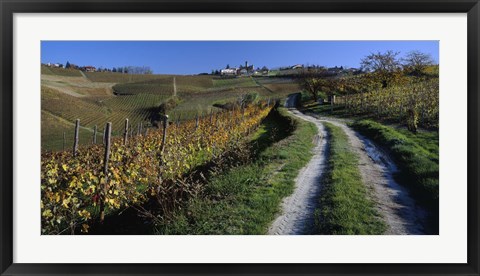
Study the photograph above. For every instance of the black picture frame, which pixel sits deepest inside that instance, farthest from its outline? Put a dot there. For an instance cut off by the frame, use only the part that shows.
(9, 7)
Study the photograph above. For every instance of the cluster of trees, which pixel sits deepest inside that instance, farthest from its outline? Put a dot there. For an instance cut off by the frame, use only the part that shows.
(133, 70)
(388, 68)
(123, 69)
(217, 72)
(379, 71)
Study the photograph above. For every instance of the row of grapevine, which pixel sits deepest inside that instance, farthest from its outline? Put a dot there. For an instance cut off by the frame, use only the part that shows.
(72, 188)
(120, 78)
(397, 102)
(97, 111)
(163, 86)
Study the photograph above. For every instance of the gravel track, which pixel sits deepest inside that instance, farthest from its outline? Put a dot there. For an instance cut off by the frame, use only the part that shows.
(298, 208)
(393, 202)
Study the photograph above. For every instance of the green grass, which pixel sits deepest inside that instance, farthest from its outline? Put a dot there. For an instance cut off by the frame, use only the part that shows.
(324, 109)
(245, 199)
(418, 166)
(428, 140)
(345, 207)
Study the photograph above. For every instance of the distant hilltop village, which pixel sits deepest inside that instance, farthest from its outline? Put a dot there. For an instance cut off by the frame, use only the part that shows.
(249, 70)
(242, 70)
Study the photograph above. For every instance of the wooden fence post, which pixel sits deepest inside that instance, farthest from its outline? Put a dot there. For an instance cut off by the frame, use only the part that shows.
(103, 137)
(196, 122)
(75, 140)
(106, 158)
(141, 128)
(174, 87)
(64, 139)
(95, 134)
(125, 133)
(164, 138)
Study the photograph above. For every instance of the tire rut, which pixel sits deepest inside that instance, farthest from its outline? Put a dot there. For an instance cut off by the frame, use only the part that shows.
(393, 202)
(297, 216)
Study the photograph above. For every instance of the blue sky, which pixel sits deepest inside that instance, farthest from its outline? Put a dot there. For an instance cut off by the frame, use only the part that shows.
(193, 57)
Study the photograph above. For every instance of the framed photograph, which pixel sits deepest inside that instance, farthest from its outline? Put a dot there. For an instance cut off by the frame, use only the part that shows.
(239, 137)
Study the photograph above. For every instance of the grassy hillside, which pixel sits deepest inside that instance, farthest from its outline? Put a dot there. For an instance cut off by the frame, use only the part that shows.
(98, 110)
(161, 86)
(138, 97)
(119, 77)
(60, 71)
(52, 131)
(234, 82)
(193, 83)
(192, 103)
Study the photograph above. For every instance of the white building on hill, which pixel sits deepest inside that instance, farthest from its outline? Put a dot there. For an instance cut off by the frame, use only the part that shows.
(229, 72)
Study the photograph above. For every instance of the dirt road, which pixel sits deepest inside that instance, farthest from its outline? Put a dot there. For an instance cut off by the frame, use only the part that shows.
(393, 201)
(297, 216)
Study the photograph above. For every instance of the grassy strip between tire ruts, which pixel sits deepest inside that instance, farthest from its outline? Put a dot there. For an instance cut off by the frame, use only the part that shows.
(418, 166)
(345, 207)
(246, 199)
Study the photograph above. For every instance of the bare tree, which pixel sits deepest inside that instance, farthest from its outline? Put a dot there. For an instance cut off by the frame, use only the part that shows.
(312, 85)
(416, 62)
(313, 81)
(386, 67)
(384, 62)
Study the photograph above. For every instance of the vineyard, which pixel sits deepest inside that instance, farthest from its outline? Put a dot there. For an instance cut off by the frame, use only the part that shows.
(107, 96)
(234, 82)
(76, 189)
(120, 78)
(192, 104)
(398, 103)
(57, 127)
(165, 138)
(98, 110)
(193, 83)
(163, 86)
